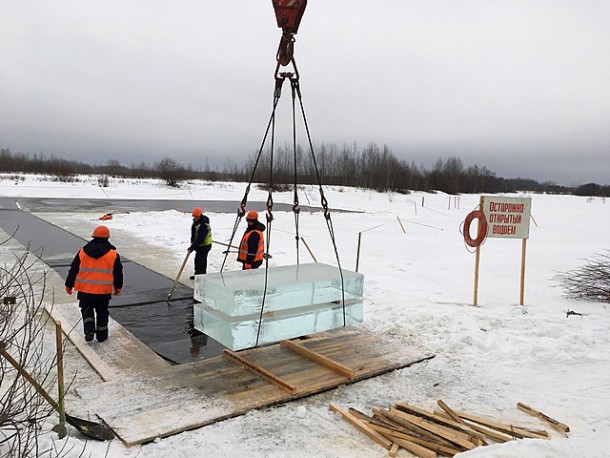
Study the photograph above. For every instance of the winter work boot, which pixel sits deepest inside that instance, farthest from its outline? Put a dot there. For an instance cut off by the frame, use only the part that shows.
(89, 336)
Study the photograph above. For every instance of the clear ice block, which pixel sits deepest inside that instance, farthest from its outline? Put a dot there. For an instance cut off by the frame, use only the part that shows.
(301, 299)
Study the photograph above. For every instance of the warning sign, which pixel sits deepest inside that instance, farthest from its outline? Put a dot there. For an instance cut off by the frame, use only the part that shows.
(507, 217)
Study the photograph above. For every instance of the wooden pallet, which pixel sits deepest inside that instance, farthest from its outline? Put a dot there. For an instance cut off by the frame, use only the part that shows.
(197, 394)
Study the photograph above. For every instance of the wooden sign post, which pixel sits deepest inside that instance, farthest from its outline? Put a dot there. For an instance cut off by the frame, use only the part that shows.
(508, 218)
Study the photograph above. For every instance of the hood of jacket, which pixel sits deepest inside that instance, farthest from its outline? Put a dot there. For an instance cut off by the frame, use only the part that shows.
(98, 247)
(256, 227)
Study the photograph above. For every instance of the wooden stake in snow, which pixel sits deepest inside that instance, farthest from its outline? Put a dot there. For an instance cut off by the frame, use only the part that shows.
(60, 429)
(308, 249)
(401, 226)
(358, 251)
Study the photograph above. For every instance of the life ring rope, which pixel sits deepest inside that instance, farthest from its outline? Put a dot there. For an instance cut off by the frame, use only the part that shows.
(482, 229)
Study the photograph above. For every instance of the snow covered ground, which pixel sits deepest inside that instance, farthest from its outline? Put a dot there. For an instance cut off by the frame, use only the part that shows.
(418, 289)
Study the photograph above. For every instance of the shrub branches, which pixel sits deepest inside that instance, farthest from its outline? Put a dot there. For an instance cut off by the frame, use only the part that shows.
(591, 281)
(22, 410)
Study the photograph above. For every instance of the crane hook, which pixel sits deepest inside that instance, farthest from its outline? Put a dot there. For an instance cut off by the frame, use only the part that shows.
(288, 14)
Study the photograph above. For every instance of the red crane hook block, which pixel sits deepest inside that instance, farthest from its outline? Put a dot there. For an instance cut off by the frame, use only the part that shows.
(288, 14)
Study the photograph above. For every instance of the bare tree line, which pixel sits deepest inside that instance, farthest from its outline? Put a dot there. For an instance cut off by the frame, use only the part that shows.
(371, 167)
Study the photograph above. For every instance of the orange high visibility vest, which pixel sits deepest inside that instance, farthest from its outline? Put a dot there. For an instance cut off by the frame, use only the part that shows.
(243, 248)
(95, 275)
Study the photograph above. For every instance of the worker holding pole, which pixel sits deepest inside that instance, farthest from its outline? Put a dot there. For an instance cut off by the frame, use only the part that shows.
(252, 246)
(201, 241)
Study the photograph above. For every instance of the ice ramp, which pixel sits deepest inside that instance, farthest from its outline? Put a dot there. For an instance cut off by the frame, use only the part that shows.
(188, 396)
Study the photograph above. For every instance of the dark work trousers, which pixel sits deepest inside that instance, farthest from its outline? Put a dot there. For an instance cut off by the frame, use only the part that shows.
(95, 317)
(201, 259)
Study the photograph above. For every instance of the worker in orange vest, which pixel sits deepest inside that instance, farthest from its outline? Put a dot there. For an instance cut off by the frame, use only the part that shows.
(252, 246)
(97, 274)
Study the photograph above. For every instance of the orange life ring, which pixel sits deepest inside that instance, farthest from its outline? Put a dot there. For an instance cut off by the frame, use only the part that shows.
(482, 230)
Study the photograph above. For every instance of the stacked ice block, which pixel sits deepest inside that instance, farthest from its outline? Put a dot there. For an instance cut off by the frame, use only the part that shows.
(300, 299)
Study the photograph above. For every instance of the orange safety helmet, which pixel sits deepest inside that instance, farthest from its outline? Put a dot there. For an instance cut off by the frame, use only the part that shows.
(197, 212)
(253, 215)
(101, 232)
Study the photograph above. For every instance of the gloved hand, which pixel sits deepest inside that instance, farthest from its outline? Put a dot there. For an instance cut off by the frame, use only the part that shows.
(117, 292)
(69, 290)
(247, 266)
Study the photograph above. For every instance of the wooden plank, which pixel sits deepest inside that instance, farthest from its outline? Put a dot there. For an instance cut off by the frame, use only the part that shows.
(460, 423)
(473, 436)
(451, 435)
(412, 428)
(374, 435)
(384, 421)
(507, 428)
(394, 450)
(392, 434)
(318, 358)
(563, 428)
(450, 412)
(121, 356)
(269, 376)
(417, 450)
(188, 396)
(491, 433)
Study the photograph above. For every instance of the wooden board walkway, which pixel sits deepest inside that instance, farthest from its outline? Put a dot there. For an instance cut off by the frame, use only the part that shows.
(122, 355)
(188, 396)
(143, 397)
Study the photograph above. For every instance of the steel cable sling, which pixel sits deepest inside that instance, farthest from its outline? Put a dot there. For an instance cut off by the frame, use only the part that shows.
(294, 80)
(285, 56)
(295, 208)
(277, 94)
(295, 201)
(241, 211)
(323, 200)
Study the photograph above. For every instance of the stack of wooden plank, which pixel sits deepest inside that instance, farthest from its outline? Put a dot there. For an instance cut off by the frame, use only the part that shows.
(444, 432)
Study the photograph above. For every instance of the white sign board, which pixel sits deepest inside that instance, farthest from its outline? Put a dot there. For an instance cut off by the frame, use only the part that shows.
(507, 217)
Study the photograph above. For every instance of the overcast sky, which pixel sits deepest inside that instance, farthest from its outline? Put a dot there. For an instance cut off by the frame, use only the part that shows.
(519, 86)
